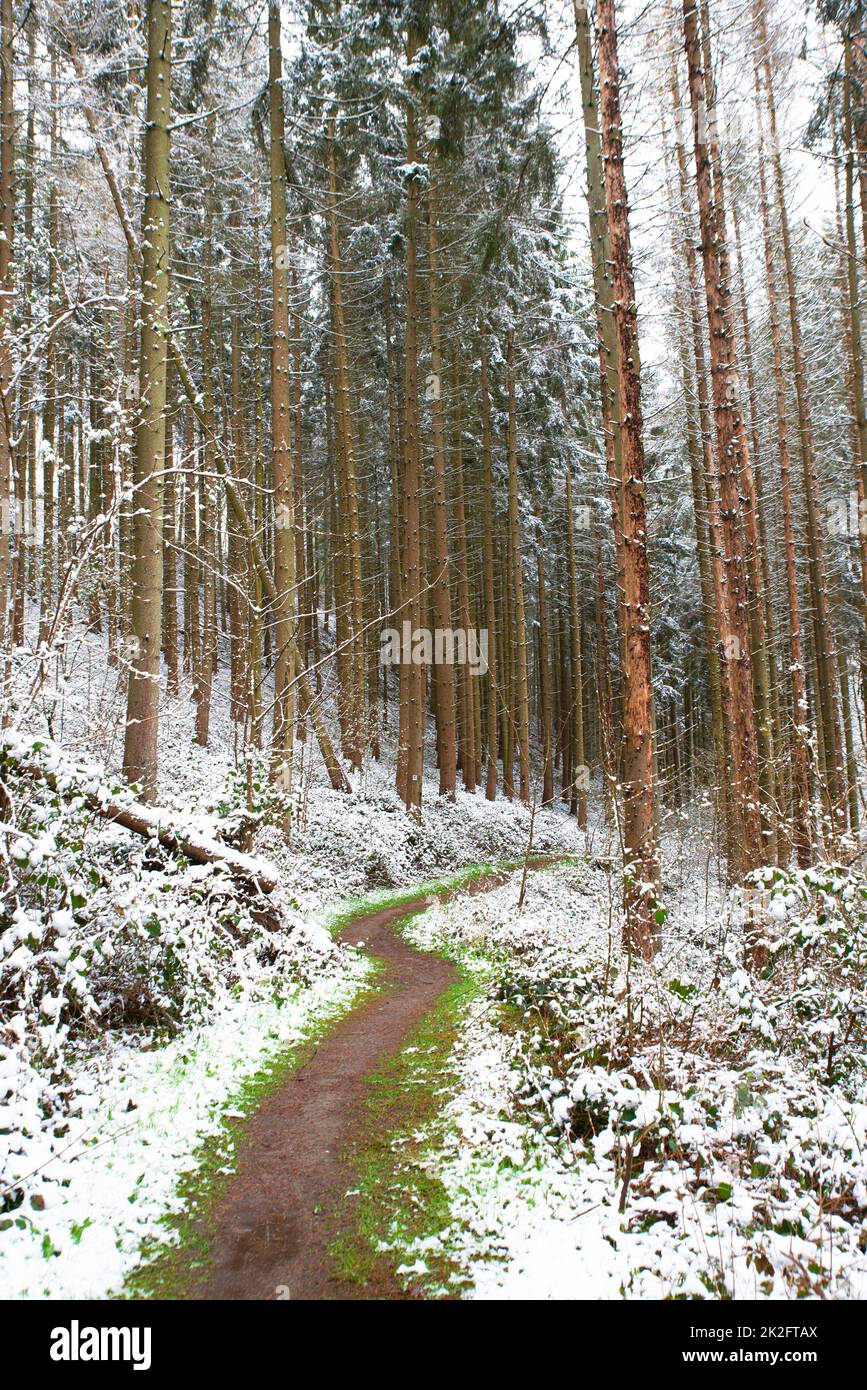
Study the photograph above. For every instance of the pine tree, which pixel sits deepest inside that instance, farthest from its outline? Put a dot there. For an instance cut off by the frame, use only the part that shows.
(639, 848)
(141, 747)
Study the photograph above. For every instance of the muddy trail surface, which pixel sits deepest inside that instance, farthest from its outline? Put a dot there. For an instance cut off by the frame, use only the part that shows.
(288, 1202)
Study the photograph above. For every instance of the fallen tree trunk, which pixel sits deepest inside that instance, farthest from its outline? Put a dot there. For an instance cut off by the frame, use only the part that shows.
(156, 824)
(153, 823)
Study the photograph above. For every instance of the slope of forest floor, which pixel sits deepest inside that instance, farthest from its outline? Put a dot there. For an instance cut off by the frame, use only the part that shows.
(589, 1126)
(145, 1001)
(680, 1131)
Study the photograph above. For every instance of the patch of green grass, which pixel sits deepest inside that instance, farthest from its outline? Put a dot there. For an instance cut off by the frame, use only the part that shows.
(171, 1268)
(400, 1202)
(383, 898)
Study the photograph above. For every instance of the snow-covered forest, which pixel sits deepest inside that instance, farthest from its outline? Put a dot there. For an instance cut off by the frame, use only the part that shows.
(433, 686)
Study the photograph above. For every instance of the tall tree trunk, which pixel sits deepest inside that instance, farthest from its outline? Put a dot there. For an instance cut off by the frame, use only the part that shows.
(49, 415)
(544, 686)
(641, 932)
(855, 336)
(578, 794)
(733, 626)
(208, 519)
(303, 572)
(29, 375)
(800, 729)
(140, 760)
(412, 711)
(241, 577)
(7, 233)
(705, 484)
(192, 627)
(849, 740)
(604, 701)
(823, 636)
(170, 550)
(606, 328)
(444, 669)
(519, 666)
(281, 418)
(350, 529)
(760, 620)
(753, 575)
(470, 750)
(489, 579)
(395, 538)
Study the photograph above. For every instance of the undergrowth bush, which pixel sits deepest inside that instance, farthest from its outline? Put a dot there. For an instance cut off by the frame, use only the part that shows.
(715, 1096)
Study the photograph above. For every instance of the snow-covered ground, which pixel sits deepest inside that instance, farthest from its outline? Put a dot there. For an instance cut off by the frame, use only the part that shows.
(685, 1130)
(722, 1109)
(98, 1183)
(139, 992)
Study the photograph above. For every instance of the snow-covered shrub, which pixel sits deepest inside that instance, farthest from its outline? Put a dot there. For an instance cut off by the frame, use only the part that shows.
(100, 929)
(814, 991)
(253, 799)
(103, 933)
(727, 1104)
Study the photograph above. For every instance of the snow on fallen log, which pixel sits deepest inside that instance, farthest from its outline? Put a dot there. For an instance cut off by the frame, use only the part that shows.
(154, 823)
(43, 760)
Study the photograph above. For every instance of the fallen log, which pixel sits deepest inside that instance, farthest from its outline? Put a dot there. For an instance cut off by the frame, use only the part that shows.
(155, 823)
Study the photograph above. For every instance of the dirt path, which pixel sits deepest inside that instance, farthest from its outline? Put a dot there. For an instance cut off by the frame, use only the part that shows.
(286, 1204)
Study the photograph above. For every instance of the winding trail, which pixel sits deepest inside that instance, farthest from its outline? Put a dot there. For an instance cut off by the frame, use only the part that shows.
(287, 1203)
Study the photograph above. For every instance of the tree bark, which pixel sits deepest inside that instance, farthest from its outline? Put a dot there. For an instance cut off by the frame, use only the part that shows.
(578, 792)
(412, 711)
(141, 750)
(823, 636)
(7, 234)
(519, 624)
(281, 419)
(350, 525)
(443, 670)
(544, 686)
(746, 840)
(641, 931)
(491, 616)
